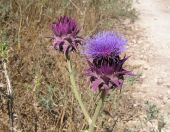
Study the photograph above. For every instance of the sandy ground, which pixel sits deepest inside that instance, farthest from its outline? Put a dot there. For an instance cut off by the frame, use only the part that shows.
(154, 18)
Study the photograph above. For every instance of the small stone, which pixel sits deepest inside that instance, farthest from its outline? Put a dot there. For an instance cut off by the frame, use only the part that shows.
(165, 100)
(2, 85)
(168, 86)
(168, 92)
(159, 81)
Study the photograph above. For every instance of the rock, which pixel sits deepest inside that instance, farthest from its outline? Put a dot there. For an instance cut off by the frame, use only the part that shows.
(2, 85)
(159, 81)
(165, 100)
(168, 92)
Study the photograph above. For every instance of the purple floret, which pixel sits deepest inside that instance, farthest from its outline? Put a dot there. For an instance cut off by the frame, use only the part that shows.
(65, 26)
(104, 43)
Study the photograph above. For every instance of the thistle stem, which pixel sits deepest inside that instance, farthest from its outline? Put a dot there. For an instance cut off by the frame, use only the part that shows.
(76, 93)
(97, 111)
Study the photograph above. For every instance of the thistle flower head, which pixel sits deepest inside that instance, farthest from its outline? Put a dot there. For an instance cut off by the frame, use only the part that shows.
(106, 66)
(65, 35)
(65, 26)
(104, 44)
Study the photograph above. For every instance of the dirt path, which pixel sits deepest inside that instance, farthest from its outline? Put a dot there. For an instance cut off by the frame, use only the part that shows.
(154, 18)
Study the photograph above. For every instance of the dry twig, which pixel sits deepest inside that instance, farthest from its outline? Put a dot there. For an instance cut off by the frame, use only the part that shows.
(10, 97)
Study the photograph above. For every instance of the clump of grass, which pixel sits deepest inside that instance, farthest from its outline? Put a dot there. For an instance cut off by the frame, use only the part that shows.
(3, 49)
(47, 100)
(4, 46)
(133, 79)
(119, 8)
(153, 114)
(4, 11)
(152, 111)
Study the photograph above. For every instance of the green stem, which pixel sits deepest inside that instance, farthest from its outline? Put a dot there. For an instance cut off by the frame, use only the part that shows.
(97, 111)
(76, 93)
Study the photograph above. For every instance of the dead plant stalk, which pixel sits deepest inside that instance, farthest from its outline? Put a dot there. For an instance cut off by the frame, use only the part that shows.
(10, 95)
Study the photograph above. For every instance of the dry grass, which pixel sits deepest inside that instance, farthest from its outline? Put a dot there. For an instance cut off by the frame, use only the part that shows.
(42, 98)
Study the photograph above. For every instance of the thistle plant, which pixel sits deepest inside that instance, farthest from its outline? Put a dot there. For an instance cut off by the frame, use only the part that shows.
(66, 40)
(105, 70)
(103, 54)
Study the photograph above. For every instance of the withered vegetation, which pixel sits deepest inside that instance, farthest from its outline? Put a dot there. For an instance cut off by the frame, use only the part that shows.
(42, 99)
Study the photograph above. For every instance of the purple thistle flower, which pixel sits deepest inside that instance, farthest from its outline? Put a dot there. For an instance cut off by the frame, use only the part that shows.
(105, 43)
(65, 35)
(106, 67)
